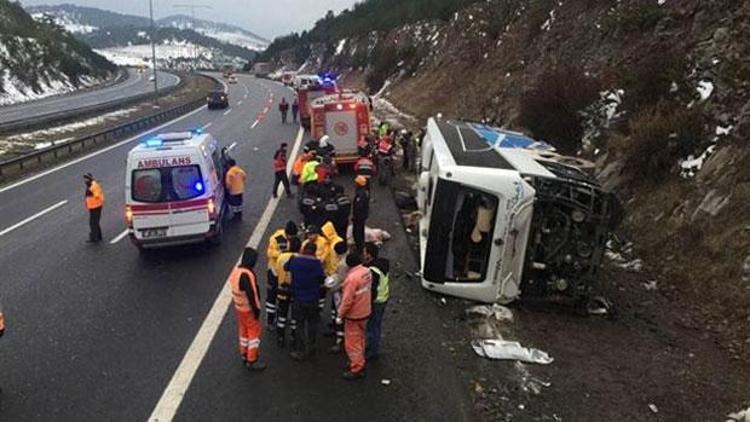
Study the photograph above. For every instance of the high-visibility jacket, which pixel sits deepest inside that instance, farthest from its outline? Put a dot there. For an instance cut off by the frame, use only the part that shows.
(239, 297)
(385, 146)
(384, 290)
(277, 244)
(235, 180)
(299, 164)
(321, 248)
(283, 276)
(364, 166)
(309, 173)
(279, 162)
(355, 297)
(332, 259)
(94, 196)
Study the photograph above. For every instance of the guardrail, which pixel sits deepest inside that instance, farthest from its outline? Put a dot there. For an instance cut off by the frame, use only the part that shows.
(34, 160)
(82, 112)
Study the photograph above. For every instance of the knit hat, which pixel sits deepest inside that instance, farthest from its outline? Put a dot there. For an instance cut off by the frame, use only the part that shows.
(88, 176)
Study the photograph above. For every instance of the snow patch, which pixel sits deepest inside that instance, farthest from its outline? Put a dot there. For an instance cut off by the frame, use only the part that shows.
(340, 47)
(705, 89)
(690, 166)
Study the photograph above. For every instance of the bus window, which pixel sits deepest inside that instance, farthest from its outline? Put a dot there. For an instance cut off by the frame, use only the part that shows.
(460, 234)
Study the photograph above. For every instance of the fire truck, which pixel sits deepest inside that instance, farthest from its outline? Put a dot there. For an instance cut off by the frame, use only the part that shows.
(345, 118)
(307, 94)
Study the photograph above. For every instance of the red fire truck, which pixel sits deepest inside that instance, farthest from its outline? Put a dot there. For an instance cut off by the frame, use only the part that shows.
(306, 95)
(345, 118)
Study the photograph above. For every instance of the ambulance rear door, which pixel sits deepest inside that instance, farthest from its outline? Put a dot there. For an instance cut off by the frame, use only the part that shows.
(341, 127)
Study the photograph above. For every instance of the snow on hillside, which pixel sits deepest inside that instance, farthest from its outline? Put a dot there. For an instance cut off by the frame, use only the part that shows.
(14, 90)
(69, 23)
(236, 38)
(140, 54)
(222, 32)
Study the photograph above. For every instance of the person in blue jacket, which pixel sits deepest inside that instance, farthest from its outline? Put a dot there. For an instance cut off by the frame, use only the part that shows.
(307, 278)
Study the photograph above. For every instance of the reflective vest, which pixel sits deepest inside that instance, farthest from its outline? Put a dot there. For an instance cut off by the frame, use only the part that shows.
(384, 290)
(285, 279)
(235, 180)
(96, 199)
(277, 244)
(309, 172)
(384, 147)
(279, 162)
(239, 297)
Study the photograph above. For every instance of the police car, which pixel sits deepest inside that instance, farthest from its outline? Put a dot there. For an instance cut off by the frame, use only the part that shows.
(174, 190)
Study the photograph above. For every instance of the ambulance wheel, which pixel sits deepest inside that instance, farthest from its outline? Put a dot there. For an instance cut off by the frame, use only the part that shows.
(216, 238)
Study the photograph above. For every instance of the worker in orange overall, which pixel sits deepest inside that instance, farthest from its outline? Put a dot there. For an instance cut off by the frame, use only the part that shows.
(94, 203)
(246, 298)
(354, 310)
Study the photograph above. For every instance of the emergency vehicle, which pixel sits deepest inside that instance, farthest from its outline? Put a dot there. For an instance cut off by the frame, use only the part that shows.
(287, 78)
(174, 193)
(306, 95)
(345, 118)
(502, 214)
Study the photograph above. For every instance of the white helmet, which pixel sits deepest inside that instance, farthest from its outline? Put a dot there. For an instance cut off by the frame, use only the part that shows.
(324, 141)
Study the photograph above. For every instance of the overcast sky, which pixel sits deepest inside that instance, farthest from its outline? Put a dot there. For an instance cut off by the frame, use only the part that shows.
(268, 18)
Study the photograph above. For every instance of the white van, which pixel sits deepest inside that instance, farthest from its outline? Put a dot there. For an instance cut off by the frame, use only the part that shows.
(174, 192)
(304, 81)
(502, 213)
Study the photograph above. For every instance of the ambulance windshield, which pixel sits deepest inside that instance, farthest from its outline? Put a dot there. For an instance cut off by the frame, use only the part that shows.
(167, 184)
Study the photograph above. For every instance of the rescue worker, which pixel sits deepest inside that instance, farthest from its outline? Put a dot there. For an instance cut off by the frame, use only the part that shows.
(284, 292)
(94, 203)
(354, 310)
(331, 259)
(284, 109)
(333, 284)
(309, 176)
(364, 166)
(380, 268)
(279, 169)
(324, 147)
(295, 110)
(277, 244)
(235, 183)
(299, 164)
(407, 146)
(246, 298)
(360, 212)
(307, 277)
(312, 235)
(341, 219)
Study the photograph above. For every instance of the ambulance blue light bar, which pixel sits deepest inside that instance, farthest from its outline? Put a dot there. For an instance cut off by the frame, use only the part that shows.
(153, 142)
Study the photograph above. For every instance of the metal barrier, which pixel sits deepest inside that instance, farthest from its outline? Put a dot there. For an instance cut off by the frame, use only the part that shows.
(37, 159)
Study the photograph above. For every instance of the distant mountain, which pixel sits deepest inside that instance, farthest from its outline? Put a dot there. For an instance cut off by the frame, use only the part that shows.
(38, 58)
(95, 25)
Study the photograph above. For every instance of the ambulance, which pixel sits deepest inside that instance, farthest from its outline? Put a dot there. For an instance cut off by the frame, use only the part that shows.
(307, 94)
(345, 118)
(174, 192)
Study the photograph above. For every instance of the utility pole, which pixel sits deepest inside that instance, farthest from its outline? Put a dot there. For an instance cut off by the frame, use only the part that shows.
(153, 51)
(192, 8)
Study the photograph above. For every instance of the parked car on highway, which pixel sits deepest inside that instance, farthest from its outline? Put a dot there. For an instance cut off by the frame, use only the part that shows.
(174, 191)
(217, 99)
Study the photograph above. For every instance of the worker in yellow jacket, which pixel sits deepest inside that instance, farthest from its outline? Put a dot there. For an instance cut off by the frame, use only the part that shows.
(234, 181)
(278, 243)
(284, 292)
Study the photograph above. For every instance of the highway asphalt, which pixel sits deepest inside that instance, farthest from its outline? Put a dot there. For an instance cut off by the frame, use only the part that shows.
(97, 332)
(135, 85)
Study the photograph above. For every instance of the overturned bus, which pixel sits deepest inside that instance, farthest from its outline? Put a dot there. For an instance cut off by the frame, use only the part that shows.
(503, 214)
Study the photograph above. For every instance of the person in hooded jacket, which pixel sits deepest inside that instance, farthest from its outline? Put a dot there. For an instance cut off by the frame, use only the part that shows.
(333, 285)
(354, 311)
(360, 212)
(284, 293)
(307, 277)
(246, 298)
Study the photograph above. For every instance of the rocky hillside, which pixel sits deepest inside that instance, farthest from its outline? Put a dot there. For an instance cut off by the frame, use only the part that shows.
(655, 91)
(39, 59)
(116, 34)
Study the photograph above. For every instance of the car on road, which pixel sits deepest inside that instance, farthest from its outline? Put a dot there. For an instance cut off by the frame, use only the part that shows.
(217, 99)
(232, 79)
(174, 192)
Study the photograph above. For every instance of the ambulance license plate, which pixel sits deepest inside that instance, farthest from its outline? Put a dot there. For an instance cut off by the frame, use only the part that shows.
(154, 233)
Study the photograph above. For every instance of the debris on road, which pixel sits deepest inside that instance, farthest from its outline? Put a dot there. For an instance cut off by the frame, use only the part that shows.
(374, 235)
(653, 408)
(498, 349)
(741, 416)
(385, 382)
(499, 312)
(443, 301)
(650, 285)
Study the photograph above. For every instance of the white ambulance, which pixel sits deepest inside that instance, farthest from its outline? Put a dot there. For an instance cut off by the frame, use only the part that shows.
(174, 192)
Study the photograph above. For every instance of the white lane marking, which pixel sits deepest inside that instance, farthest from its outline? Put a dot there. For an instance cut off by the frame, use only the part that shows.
(98, 152)
(231, 147)
(207, 125)
(119, 237)
(226, 113)
(170, 401)
(255, 123)
(239, 103)
(33, 217)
